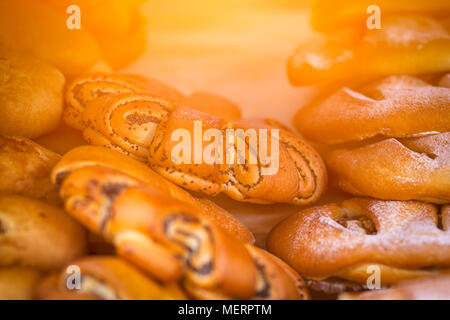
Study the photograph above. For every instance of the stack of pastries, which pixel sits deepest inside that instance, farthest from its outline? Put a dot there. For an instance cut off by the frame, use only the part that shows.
(89, 185)
(383, 125)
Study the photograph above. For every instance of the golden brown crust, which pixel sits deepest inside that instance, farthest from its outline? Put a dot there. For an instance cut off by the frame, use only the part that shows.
(329, 14)
(403, 238)
(31, 92)
(396, 169)
(86, 156)
(42, 32)
(142, 126)
(213, 104)
(18, 283)
(108, 278)
(165, 237)
(34, 234)
(25, 169)
(404, 45)
(436, 288)
(396, 106)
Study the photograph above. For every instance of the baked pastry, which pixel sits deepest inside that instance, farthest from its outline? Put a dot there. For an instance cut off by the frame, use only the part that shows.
(93, 156)
(329, 14)
(25, 169)
(43, 33)
(18, 283)
(61, 140)
(89, 86)
(106, 278)
(34, 234)
(396, 106)
(142, 126)
(31, 92)
(334, 245)
(406, 44)
(168, 238)
(435, 288)
(401, 169)
(118, 26)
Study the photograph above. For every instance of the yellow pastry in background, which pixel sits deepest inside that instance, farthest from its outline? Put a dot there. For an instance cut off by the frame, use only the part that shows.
(31, 94)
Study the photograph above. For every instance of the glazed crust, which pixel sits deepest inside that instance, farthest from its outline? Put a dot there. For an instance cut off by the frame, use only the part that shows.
(25, 169)
(354, 12)
(87, 156)
(396, 106)
(34, 234)
(142, 126)
(18, 283)
(404, 45)
(405, 239)
(31, 92)
(165, 237)
(87, 87)
(107, 278)
(436, 288)
(396, 169)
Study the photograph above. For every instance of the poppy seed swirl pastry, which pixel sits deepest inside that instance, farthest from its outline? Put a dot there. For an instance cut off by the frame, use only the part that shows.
(169, 240)
(25, 169)
(403, 239)
(90, 156)
(435, 288)
(406, 44)
(87, 87)
(106, 278)
(34, 234)
(143, 127)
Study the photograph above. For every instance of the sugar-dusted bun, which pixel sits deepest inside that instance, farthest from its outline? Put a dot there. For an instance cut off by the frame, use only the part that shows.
(90, 156)
(40, 30)
(402, 239)
(31, 92)
(435, 288)
(25, 169)
(406, 44)
(416, 168)
(396, 106)
(328, 14)
(106, 278)
(18, 283)
(34, 234)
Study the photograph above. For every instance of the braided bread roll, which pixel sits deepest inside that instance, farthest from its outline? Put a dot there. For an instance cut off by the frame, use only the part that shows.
(436, 288)
(166, 238)
(46, 236)
(405, 169)
(143, 127)
(25, 169)
(329, 14)
(90, 156)
(396, 106)
(404, 239)
(406, 44)
(87, 87)
(107, 278)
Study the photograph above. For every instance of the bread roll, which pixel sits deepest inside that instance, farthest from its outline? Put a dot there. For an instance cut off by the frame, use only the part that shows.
(406, 44)
(329, 14)
(25, 169)
(40, 30)
(90, 156)
(402, 239)
(31, 92)
(168, 238)
(142, 126)
(212, 104)
(396, 106)
(107, 278)
(18, 283)
(415, 168)
(34, 234)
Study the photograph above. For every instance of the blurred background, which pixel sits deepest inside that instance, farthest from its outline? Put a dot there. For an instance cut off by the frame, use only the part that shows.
(236, 48)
